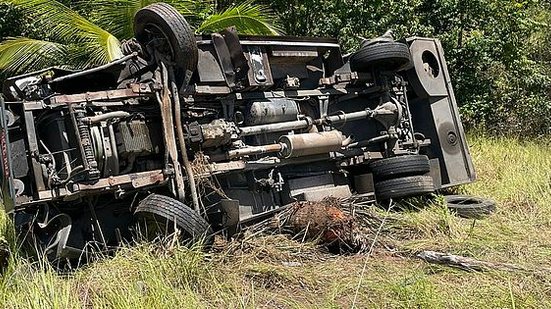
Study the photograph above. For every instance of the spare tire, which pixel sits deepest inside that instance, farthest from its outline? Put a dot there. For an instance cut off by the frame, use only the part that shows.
(159, 216)
(404, 187)
(386, 56)
(400, 166)
(160, 28)
(470, 207)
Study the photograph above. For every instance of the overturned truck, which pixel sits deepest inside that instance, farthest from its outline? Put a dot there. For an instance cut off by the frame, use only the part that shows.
(203, 133)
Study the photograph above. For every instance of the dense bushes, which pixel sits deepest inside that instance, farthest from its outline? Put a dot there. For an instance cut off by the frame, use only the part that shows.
(498, 51)
(10, 25)
(10, 21)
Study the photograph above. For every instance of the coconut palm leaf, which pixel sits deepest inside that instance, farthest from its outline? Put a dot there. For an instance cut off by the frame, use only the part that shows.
(22, 54)
(63, 25)
(117, 16)
(247, 17)
(83, 42)
(93, 53)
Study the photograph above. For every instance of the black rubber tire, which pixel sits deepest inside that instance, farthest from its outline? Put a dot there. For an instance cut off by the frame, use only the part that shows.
(156, 215)
(470, 207)
(386, 56)
(404, 187)
(401, 166)
(160, 20)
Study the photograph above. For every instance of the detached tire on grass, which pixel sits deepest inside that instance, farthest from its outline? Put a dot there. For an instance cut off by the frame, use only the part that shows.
(401, 166)
(470, 207)
(404, 187)
(159, 216)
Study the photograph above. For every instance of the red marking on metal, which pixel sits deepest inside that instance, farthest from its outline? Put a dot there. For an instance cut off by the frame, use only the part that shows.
(5, 163)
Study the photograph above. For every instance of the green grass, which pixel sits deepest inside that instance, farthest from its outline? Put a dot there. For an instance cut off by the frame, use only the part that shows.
(258, 273)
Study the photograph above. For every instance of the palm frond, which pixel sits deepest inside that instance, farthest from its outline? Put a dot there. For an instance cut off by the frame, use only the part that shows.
(21, 54)
(90, 54)
(66, 26)
(117, 16)
(247, 17)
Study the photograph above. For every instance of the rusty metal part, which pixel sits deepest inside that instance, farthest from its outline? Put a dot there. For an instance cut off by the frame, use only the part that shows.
(135, 181)
(104, 117)
(137, 138)
(217, 133)
(93, 70)
(182, 140)
(299, 145)
(110, 184)
(389, 114)
(135, 90)
(254, 150)
(277, 127)
(344, 118)
(169, 134)
(345, 78)
(308, 144)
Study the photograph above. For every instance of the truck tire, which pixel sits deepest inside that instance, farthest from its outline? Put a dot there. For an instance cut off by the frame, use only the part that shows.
(470, 207)
(387, 56)
(158, 215)
(160, 27)
(404, 187)
(401, 166)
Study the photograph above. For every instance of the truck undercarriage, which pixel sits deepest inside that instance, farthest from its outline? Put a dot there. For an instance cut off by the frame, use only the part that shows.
(204, 133)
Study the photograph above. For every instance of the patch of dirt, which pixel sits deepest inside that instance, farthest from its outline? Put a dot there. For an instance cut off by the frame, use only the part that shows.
(342, 226)
(321, 220)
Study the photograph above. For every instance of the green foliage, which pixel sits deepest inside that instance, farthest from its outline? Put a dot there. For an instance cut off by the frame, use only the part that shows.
(88, 33)
(40, 53)
(277, 272)
(10, 21)
(10, 24)
(498, 51)
(69, 36)
(498, 84)
(117, 17)
(351, 20)
(247, 17)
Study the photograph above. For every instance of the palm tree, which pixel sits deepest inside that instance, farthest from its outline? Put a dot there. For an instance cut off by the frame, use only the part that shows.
(91, 33)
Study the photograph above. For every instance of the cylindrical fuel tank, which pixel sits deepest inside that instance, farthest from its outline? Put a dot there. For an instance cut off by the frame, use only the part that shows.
(271, 111)
(308, 144)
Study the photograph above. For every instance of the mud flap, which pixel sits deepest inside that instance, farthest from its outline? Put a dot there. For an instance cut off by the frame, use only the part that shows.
(230, 219)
